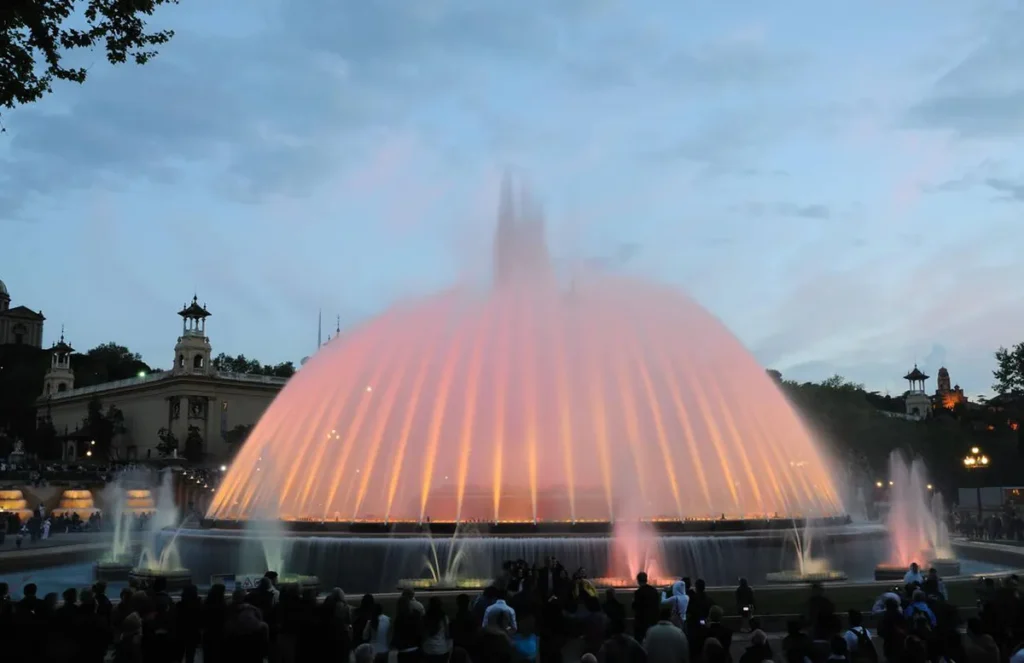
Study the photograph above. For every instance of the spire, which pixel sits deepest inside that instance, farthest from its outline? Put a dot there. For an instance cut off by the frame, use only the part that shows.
(337, 330)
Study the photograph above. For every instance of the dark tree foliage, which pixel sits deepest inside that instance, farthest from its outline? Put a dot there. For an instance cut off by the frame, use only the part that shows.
(240, 364)
(862, 436)
(21, 381)
(168, 443)
(102, 426)
(44, 442)
(106, 363)
(37, 34)
(1009, 372)
(1009, 384)
(194, 445)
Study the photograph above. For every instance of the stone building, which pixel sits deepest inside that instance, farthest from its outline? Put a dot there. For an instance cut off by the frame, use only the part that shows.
(191, 394)
(19, 325)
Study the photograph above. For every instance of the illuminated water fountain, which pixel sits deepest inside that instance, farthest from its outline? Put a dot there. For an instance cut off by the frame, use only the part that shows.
(916, 522)
(127, 502)
(445, 563)
(273, 555)
(536, 407)
(808, 567)
(13, 501)
(161, 559)
(76, 501)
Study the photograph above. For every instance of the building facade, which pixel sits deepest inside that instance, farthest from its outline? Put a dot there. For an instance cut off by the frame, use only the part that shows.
(19, 325)
(191, 394)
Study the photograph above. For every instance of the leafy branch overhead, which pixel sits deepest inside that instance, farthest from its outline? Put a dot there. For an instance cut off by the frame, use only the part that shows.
(38, 34)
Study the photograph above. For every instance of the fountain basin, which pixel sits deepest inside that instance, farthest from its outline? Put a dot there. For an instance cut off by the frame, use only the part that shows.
(946, 566)
(890, 572)
(175, 578)
(112, 570)
(792, 576)
(429, 584)
(301, 582)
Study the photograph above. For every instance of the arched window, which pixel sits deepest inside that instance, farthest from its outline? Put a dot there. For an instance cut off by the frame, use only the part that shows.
(181, 361)
(47, 390)
(62, 386)
(20, 332)
(197, 361)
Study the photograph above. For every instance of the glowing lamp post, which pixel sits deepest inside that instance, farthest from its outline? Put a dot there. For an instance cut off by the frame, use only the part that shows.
(976, 461)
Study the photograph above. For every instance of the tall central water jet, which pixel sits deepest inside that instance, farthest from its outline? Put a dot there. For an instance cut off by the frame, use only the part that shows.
(533, 402)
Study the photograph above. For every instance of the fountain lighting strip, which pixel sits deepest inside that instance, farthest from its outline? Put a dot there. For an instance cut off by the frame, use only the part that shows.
(526, 521)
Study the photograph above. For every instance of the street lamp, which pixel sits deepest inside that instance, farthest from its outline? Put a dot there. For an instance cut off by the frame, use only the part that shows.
(977, 461)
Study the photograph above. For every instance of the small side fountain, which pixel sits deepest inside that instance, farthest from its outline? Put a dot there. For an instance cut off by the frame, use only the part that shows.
(808, 568)
(273, 540)
(916, 522)
(636, 547)
(125, 506)
(446, 568)
(164, 563)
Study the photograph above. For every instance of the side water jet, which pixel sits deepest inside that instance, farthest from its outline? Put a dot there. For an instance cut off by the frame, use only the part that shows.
(162, 561)
(273, 554)
(916, 522)
(636, 547)
(808, 567)
(128, 506)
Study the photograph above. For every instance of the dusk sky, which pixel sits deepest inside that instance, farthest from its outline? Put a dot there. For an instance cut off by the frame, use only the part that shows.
(840, 182)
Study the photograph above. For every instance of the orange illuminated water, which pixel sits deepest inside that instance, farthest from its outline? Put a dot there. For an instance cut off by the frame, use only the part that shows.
(531, 402)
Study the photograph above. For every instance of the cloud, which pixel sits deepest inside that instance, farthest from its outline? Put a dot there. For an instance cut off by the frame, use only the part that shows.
(1010, 189)
(759, 209)
(981, 97)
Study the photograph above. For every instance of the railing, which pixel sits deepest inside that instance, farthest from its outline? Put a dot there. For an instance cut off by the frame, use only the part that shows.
(249, 377)
(106, 386)
(154, 377)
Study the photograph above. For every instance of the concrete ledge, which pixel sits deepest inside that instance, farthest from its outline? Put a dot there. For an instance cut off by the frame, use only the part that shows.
(990, 552)
(29, 558)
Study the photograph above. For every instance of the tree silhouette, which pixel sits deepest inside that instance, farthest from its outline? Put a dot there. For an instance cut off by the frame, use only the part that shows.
(194, 444)
(39, 33)
(168, 443)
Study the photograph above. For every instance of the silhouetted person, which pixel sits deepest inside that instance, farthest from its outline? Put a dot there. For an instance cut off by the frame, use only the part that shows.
(646, 606)
(189, 619)
(892, 628)
(797, 645)
(759, 650)
(821, 612)
(215, 611)
(744, 597)
(616, 612)
(465, 628)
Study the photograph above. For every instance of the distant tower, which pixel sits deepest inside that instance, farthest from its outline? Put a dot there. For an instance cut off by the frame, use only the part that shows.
(943, 382)
(59, 377)
(918, 403)
(192, 351)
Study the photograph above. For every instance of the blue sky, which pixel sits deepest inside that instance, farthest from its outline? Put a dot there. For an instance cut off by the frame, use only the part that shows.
(841, 183)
